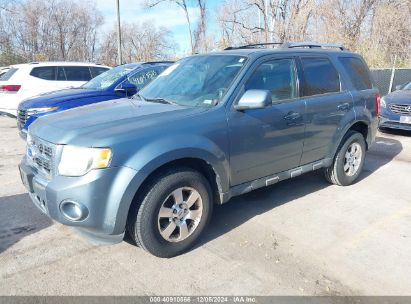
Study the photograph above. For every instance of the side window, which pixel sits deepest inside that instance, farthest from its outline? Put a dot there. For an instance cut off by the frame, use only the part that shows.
(320, 76)
(61, 76)
(95, 71)
(77, 73)
(277, 76)
(46, 73)
(357, 71)
(142, 78)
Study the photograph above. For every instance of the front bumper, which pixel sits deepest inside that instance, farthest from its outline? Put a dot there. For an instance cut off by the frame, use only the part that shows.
(106, 193)
(392, 121)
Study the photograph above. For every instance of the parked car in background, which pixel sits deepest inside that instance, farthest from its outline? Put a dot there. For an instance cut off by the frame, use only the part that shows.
(396, 109)
(119, 82)
(23, 81)
(210, 127)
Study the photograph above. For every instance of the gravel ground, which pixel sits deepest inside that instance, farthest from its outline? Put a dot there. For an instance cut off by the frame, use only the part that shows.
(299, 237)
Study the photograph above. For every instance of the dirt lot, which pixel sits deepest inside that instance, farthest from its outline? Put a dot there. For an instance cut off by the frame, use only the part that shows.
(300, 237)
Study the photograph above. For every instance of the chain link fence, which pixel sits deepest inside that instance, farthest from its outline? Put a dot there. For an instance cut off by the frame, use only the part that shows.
(382, 78)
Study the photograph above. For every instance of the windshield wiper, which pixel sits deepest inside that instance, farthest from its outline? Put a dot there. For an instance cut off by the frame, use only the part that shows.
(159, 100)
(139, 96)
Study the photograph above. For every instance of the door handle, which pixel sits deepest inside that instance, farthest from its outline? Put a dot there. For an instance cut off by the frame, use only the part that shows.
(343, 107)
(292, 116)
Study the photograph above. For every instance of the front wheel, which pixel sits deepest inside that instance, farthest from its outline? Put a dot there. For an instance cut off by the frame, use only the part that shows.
(173, 213)
(349, 160)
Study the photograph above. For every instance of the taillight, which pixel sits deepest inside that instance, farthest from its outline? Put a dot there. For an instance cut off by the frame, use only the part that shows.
(377, 104)
(10, 87)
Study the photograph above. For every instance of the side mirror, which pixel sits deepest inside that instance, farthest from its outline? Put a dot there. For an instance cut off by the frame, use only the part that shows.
(398, 87)
(127, 88)
(254, 99)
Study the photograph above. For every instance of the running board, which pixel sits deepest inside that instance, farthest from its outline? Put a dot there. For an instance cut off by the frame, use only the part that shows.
(273, 179)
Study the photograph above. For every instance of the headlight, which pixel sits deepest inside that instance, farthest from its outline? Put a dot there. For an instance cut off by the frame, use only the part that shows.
(77, 161)
(40, 110)
(383, 104)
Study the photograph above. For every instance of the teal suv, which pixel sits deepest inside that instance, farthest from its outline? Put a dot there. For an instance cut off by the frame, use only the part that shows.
(208, 128)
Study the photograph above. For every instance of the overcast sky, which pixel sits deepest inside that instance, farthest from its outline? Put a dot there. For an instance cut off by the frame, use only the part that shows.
(165, 14)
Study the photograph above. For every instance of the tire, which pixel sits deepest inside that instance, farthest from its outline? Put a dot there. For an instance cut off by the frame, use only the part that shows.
(183, 191)
(346, 166)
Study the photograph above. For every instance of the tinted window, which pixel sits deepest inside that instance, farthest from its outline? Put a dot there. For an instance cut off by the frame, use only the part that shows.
(46, 73)
(276, 76)
(7, 75)
(95, 71)
(61, 76)
(77, 73)
(320, 76)
(141, 78)
(357, 71)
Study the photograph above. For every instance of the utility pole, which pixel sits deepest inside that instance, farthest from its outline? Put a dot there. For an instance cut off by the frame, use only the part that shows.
(120, 59)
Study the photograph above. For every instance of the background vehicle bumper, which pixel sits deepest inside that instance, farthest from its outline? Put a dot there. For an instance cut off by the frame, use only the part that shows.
(392, 121)
(8, 112)
(102, 193)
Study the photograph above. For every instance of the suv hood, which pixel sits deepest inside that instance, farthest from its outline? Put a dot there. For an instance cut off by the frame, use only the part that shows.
(107, 122)
(399, 97)
(56, 98)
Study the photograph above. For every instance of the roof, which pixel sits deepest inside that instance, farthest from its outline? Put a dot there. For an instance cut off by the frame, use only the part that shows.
(58, 63)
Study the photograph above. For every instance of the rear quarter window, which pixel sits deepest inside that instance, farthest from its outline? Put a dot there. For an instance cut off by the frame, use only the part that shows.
(46, 73)
(320, 76)
(7, 75)
(357, 72)
(95, 71)
(77, 73)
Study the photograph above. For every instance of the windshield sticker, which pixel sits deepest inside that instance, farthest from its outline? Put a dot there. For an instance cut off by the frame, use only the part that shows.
(241, 60)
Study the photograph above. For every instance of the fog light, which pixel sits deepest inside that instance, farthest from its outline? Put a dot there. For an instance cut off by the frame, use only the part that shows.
(73, 211)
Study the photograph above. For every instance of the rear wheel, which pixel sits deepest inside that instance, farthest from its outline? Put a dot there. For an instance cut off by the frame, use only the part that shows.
(173, 213)
(349, 160)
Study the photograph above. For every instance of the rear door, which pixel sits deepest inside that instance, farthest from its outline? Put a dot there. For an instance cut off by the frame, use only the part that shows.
(327, 103)
(270, 140)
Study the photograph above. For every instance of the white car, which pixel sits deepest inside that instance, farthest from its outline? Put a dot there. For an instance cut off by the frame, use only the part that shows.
(22, 81)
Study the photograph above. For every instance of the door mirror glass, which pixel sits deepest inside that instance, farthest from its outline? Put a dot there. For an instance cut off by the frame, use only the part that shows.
(254, 99)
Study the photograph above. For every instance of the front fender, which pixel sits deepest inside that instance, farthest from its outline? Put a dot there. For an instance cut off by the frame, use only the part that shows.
(162, 151)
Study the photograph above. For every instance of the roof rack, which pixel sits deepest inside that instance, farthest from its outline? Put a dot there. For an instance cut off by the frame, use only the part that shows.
(311, 45)
(251, 46)
(289, 45)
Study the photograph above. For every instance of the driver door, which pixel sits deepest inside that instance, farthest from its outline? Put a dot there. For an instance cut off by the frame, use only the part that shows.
(268, 140)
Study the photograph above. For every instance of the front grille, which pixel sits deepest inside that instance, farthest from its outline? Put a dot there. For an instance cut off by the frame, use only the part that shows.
(401, 109)
(22, 116)
(41, 155)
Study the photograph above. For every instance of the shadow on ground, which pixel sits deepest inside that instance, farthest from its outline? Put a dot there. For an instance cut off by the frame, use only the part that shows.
(18, 219)
(241, 209)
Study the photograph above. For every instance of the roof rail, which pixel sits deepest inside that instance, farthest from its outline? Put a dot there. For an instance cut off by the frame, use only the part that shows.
(161, 61)
(311, 45)
(250, 46)
(289, 45)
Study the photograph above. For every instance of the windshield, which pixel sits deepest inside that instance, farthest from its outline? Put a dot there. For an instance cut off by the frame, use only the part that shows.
(107, 78)
(198, 81)
(407, 87)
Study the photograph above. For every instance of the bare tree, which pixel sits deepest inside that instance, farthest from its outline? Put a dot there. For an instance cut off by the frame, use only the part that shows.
(140, 42)
(51, 30)
(183, 4)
